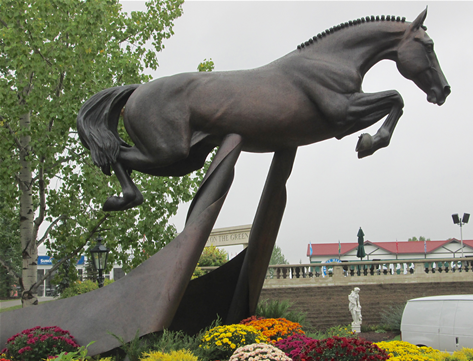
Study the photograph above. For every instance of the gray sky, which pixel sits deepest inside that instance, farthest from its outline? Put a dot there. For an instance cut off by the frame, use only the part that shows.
(410, 188)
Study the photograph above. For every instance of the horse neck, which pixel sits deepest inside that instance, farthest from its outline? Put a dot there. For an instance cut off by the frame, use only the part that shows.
(364, 44)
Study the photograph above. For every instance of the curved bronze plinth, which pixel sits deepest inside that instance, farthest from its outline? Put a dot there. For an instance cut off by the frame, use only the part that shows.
(157, 295)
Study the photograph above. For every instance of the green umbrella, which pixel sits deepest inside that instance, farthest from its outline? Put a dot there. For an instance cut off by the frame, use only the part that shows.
(361, 248)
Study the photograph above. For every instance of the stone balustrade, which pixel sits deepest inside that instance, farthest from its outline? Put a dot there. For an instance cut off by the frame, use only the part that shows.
(368, 272)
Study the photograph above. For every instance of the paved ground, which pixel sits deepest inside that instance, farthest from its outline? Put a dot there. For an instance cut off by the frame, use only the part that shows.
(7, 304)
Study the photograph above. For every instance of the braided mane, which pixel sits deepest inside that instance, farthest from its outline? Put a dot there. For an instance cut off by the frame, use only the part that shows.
(341, 26)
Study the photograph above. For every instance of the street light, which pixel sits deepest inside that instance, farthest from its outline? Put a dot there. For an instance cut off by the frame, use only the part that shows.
(99, 256)
(461, 222)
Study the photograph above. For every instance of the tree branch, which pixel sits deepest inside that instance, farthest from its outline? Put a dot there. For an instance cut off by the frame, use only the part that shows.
(40, 281)
(42, 202)
(12, 133)
(46, 170)
(45, 235)
(60, 84)
(4, 23)
(8, 268)
(36, 50)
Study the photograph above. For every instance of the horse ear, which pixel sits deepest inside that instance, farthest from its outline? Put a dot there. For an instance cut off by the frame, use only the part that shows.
(419, 21)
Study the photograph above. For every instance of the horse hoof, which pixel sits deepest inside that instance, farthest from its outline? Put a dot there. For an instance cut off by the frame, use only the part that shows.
(365, 142)
(114, 203)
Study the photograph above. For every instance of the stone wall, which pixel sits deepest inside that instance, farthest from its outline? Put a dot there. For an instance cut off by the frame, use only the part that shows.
(328, 306)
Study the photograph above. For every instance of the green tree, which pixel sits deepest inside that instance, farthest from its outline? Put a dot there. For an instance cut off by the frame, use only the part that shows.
(10, 250)
(213, 257)
(206, 66)
(210, 257)
(277, 257)
(53, 56)
(421, 239)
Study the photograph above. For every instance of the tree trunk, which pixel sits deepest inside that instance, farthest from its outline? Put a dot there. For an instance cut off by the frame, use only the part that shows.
(29, 296)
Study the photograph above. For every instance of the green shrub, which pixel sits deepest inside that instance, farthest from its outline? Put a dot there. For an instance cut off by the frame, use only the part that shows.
(168, 341)
(340, 331)
(180, 355)
(210, 257)
(280, 309)
(78, 288)
(213, 257)
(391, 317)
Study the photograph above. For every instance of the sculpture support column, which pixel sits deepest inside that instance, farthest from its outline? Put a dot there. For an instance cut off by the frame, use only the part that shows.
(262, 237)
(148, 297)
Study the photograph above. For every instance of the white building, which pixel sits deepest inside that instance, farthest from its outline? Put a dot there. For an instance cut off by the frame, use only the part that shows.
(329, 252)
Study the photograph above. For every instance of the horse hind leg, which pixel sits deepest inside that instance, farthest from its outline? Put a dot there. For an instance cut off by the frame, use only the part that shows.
(131, 195)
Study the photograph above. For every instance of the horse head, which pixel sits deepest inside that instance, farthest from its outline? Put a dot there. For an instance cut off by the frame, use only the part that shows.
(416, 60)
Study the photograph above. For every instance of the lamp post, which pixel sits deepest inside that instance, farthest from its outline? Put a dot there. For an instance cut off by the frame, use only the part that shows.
(461, 222)
(99, 256)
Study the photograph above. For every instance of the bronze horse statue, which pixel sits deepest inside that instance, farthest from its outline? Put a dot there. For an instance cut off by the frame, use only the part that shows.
(311, 94)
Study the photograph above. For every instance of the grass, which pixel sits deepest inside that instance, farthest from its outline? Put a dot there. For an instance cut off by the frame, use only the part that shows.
(18, 306)
(9, 308)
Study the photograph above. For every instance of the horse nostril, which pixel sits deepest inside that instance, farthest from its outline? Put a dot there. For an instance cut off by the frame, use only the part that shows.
(447, 90)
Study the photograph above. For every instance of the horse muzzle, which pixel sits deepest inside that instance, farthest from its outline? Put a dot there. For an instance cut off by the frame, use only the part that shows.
(438, 96)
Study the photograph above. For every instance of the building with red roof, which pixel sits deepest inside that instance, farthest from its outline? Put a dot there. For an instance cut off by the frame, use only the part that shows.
(334, 252)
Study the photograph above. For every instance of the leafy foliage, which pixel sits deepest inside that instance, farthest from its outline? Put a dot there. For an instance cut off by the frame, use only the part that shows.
(277, 256)
(280, 309)
(206, 66)
(53, 56)
(213, 257)
(180, 355)
(210, 257)
(10, 248)
(421, 239)
(78, 288)
(392, 316)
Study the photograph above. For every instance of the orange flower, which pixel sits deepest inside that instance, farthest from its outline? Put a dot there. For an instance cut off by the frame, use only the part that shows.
(276, 328)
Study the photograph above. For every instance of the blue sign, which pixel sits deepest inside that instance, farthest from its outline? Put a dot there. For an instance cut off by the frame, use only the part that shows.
(324, 269)
(48, 261)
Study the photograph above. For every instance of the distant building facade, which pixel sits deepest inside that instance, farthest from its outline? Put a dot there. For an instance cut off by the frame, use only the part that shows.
(45, 263)
(329, 252)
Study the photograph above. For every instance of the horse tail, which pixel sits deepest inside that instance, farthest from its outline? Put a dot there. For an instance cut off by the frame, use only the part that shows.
(97, 124)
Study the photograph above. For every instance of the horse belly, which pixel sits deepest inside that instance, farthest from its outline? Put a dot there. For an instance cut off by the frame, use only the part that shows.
(269, 115)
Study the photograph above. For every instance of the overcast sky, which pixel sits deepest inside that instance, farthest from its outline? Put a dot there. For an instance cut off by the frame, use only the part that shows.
(410, 188)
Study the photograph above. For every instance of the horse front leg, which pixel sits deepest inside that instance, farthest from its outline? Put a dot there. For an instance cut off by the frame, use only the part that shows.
(365, 110)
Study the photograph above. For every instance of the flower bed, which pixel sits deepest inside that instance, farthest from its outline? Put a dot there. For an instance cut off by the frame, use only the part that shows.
(341, 349)
(39, 343)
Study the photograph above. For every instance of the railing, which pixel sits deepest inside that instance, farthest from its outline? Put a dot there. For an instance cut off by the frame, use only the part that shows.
(393, 271)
